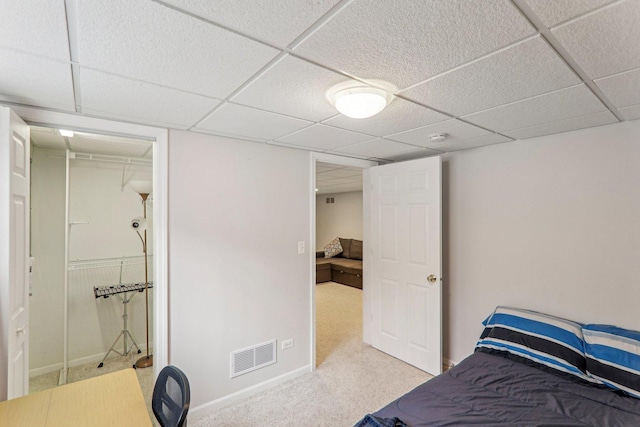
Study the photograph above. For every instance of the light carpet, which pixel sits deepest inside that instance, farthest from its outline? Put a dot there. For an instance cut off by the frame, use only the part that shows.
(351, 380)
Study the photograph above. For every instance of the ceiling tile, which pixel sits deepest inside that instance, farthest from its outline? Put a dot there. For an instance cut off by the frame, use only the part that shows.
(407, 41)
(33, 80)
(379, 148)
(630, 113)
(323, 137)
(338, 173)
(238, 120)
(554, 12)
(400, 115)
(465, 144)
(605, 42)
(112, 96)
(151, 42)
(524, 70)
(622, 89)
(292, 87)
(562, 104)
(574, 123)
(277, 22)
(35, 26)
(455, 130)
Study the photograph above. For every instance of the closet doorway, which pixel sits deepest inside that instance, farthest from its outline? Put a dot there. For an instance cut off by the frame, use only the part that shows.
(92, 281)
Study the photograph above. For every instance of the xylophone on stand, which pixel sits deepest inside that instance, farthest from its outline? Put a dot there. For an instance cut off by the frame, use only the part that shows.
(125, 292)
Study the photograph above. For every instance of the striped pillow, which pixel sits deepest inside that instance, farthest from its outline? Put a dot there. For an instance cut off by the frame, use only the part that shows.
(613, 356)
(543, 339)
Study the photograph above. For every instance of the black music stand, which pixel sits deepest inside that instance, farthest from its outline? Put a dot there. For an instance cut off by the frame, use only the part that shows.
(128, 291)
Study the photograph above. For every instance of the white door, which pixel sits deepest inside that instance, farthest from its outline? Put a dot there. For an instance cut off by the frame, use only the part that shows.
(14, 255)
(406, 289)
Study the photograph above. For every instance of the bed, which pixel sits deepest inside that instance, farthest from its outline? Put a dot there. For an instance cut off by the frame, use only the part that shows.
(530, 369)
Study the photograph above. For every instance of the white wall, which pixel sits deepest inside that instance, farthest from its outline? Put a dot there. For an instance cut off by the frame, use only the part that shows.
(96, 196)
(236, 213)
(550, 224)
(340, 219)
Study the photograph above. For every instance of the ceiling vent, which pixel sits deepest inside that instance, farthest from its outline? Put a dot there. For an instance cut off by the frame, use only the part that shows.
(252, 358)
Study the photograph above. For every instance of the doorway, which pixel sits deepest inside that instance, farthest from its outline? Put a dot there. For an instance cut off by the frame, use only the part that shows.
(159, 138)
(85, 307)
(337, 214)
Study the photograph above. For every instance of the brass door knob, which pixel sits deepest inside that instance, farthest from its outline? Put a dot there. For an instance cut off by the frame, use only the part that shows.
(431, 278)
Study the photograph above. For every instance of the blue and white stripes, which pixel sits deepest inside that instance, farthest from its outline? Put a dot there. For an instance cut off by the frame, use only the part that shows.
(613, 356)
(547, 340)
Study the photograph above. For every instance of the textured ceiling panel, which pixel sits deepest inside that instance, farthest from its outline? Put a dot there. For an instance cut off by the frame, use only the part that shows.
(630, 113)
(623, 90)
(293, 87)
(574, 123)
(407, 41)
(378, 148)
(465, 144)
(553, 12)
(117, 97)
(35, 26)
(605, 42)
(147, 41)
(455, 130)
(562, 104)
(324, 137)
(275, 21)
(400, 115)
(32, 80)
(524, 70)
(233, 119)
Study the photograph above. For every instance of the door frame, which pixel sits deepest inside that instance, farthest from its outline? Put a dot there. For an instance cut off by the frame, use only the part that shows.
(160, 139)
(346, 161)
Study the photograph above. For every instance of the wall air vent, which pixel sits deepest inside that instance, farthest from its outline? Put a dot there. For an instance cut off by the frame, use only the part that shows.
(252, 358)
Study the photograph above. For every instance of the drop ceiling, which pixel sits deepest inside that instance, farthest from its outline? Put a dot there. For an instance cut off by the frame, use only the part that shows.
(332, 178)
(483, 71)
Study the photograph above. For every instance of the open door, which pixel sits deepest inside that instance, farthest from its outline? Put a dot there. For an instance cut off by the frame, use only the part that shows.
(406, 288)
(14, 255)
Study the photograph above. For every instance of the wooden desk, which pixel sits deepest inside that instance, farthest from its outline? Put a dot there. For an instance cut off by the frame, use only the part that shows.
(109, 400)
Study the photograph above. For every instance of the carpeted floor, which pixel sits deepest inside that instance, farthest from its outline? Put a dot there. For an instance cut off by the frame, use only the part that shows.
(351, 380)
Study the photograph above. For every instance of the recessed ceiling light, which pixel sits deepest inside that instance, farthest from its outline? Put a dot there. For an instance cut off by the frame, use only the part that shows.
(357, 100)
(64, 132)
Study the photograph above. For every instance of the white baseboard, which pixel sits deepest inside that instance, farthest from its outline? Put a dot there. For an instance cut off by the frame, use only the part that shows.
(210, 407)
(95, 358)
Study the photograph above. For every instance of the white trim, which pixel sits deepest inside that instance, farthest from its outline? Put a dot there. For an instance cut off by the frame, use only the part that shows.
(95, 358)
(210, 407)
(160, 204)
(340, 160)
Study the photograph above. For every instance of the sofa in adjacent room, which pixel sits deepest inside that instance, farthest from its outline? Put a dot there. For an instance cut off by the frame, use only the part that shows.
(340, 262)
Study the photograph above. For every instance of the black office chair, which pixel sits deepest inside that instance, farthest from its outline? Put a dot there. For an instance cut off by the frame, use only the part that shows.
(171, 397)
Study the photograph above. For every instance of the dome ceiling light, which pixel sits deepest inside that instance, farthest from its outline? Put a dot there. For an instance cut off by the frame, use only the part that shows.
(359, 101)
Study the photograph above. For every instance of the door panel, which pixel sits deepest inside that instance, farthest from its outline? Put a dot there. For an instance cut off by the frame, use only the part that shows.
(406, 249)
(14, 255)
